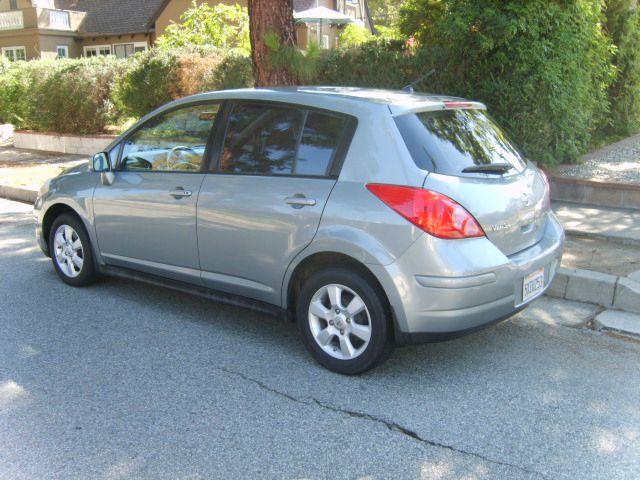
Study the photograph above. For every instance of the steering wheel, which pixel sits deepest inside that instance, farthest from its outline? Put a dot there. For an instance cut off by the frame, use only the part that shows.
(180, 162)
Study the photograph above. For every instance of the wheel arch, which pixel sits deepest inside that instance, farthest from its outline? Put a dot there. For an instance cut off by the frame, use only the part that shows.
(53, 212)
(321, 260)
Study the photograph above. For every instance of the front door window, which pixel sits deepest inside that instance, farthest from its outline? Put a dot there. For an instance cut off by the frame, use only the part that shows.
(173, 141)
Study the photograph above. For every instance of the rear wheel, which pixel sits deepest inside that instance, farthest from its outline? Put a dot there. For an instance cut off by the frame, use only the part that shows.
(71, 251)
(343, 321)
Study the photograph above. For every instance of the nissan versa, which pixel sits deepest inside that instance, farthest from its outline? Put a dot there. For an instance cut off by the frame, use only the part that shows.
(370, 217)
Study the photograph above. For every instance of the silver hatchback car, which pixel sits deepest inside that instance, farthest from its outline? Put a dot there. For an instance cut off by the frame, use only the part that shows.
(370, 217)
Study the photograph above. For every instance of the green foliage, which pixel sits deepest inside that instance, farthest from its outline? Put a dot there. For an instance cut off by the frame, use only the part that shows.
(420, 18)
(353, 35)
(149, 82)
(159, 76)
(63, 96)
(303, 65)
(235, 71)
(75, 97)
(623, 26)
(87, 95)
(543, 68)
(374, 64)
(385, 13)
(222, 26)
(388, 33)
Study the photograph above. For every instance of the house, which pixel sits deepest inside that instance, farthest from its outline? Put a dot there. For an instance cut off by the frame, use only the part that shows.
(31, 29)
(325, 30)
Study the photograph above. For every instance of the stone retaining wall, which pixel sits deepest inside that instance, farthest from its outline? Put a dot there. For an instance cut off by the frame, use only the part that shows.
(52, 142)
(6, 132)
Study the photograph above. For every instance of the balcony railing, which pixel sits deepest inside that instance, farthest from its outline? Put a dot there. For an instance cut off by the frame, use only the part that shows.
(59, 20)
(13, 20)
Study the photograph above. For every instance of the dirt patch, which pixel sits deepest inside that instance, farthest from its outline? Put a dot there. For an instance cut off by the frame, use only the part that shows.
(601, 256)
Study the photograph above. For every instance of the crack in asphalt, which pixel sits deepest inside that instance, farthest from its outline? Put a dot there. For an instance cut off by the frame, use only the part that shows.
(391, 425)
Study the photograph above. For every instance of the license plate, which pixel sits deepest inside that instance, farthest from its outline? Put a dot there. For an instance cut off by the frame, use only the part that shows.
(532, 285)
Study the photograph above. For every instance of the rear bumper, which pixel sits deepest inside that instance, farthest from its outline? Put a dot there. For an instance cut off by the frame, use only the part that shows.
(440, 289)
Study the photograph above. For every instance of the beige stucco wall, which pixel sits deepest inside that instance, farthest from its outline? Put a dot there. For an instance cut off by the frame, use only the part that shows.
(176, 8)
(40, 45)
(27, 39)
(49, 46)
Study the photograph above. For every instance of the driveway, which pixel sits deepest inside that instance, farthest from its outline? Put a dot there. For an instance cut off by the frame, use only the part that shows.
(125, 380)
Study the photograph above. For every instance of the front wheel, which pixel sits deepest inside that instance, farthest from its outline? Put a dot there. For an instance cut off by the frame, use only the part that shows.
(71, 251)
(343, 321)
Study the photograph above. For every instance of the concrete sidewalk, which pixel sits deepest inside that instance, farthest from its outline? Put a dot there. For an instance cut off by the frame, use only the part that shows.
(613, 224)
(22, 172)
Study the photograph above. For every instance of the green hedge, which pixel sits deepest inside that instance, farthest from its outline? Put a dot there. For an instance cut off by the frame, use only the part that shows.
(159, 76)
(623, 26)
(86, 95)
(69, 96)
(543, 68)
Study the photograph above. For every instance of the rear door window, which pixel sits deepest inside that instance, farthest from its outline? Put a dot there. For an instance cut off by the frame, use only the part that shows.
(319, 143)
(450, 141)
(280, 140)
(261, 140)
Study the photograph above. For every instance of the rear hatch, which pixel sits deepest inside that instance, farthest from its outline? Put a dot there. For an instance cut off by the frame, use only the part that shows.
(471, 160)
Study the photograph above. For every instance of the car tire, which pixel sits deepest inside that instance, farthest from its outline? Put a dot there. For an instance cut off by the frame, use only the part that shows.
(71, 252)
(344, 321)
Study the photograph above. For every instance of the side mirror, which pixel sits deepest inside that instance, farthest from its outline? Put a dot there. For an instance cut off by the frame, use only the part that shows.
(102, 164)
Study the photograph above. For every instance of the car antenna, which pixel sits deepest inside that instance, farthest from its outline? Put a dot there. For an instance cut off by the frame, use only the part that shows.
(409, 88)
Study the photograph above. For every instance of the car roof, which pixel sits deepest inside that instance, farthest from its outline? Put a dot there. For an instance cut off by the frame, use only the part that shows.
(398, 101)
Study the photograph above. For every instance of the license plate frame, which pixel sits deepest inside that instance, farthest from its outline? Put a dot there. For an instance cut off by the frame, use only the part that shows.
(532, 285)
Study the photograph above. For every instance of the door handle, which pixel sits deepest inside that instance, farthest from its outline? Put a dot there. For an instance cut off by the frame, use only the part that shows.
(299, 200)
(180, 193)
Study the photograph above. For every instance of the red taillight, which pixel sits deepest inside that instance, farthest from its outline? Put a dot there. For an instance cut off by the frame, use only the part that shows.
(433, 212)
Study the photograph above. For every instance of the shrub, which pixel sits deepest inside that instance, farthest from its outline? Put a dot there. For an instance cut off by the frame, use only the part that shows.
(374, 64)
(159, 76)
(353, 35)
(542, 67)
(234, 71)
(64, 96)
(623, 26)
(75, 96)
(149, 83)
(16, 83)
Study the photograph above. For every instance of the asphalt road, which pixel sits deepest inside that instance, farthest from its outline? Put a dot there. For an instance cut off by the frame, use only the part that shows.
(125, 380)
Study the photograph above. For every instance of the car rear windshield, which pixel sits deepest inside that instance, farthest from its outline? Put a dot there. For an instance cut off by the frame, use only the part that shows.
(452, 141)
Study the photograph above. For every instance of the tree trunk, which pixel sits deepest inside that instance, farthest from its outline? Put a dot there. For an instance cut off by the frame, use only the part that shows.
(271, 16)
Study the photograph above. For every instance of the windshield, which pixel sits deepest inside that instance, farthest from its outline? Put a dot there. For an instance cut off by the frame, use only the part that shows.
(459, 142)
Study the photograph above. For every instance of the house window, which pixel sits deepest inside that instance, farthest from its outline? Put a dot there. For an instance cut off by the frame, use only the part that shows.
(97, 50)
(15, 54)
(63, 51)
(124, 50)
(325, 41)
(13, 4)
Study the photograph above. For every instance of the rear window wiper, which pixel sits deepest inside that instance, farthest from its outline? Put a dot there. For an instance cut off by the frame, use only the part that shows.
(497, 168)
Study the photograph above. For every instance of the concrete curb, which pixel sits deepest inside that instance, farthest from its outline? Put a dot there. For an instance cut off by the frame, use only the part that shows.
(18, 194)
(609, 291)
